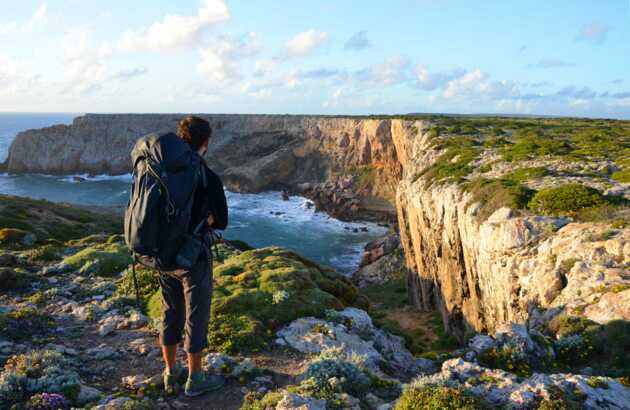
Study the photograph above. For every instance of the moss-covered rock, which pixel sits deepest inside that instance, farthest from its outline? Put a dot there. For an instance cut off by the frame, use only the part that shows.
(257, 291)
(102, 259)
(43, 253)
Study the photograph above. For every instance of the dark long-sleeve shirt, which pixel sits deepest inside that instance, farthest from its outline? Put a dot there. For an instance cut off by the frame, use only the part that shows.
(209, 200)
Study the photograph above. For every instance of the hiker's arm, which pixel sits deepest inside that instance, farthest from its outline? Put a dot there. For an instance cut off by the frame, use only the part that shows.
(219, 203)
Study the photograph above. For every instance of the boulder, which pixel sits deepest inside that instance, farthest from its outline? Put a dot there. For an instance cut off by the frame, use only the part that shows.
(481, 343)
(357, 336)
(292, 401)
(87, 394)
(502, 388)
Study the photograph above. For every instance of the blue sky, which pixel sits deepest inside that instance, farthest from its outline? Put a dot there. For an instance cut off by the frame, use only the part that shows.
(330, 57)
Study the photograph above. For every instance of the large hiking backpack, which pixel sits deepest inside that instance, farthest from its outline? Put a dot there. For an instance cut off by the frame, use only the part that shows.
(165, 175)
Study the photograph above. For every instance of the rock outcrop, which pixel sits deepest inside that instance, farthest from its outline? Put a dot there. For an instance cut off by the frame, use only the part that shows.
(251, 153)
(508, 268)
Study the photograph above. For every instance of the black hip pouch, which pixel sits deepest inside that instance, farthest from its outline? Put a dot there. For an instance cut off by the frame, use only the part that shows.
(189, 253)
(191, 249)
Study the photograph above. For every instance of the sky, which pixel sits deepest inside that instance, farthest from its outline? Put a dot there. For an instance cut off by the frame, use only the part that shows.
(561, 57)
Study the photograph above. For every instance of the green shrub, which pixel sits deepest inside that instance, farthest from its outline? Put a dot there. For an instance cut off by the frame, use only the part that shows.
(608, 345)
(564, 325)
(493, 194)
(567, 264)
(258, 401)
(507, 359)
(44, 253)
(565, 200)
(530, 145)
(147, 283)
(25, 324)
(101, 260)
(454, 162)
(621, 176)
(605, 212)
(596, 144)
(597, 383)
(525, 174)
(439, 398)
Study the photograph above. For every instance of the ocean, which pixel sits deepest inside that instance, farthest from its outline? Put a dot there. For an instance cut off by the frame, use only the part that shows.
(259, 219)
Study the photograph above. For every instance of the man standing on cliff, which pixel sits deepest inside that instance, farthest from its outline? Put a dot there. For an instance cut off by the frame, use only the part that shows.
(186, 296)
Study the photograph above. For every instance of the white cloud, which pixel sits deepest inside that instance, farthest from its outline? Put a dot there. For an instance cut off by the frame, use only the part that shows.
(219, 61)
(551, 63)
(594, 32)
(264, 68)
(215, 68)
(465, 84)
(477, 84)
(303, 43)
(394, 70)
(175, 31)
(8, 28)
(358, 41)
(37, 20)
(83, 71)
(429, 81)
(519, 106)
(351, 98)
(581, 104)
(17, 78)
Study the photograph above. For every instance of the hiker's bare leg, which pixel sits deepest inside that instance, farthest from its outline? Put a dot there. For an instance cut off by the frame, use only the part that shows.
(194, 363)
(169, 353)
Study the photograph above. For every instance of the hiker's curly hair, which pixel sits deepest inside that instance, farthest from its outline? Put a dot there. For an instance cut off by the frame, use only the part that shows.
(194, 130)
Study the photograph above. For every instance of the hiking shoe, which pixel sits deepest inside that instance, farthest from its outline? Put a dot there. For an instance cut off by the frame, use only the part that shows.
(200, 383)
(173, 379)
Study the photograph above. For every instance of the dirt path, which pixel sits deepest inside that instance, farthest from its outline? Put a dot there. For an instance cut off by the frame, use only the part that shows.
(103, 361)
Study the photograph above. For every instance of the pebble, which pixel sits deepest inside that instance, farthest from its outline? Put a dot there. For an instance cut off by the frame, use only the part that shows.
(135, 381)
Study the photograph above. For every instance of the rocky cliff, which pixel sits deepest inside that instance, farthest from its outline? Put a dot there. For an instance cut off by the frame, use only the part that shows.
(511, 267)
(484, 241)
(251, 152)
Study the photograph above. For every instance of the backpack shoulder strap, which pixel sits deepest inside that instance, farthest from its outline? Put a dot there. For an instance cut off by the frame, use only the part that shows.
(202, 172)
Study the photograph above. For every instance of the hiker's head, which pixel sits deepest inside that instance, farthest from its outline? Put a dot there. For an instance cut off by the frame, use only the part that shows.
(195, 131)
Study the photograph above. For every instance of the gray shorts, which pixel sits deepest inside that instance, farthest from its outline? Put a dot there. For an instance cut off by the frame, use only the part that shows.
(186, 299)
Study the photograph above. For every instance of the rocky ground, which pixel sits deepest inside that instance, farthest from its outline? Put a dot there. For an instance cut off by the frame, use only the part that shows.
(286, 332)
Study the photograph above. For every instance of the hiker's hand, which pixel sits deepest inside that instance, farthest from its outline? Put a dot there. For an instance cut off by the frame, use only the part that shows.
(210, 220)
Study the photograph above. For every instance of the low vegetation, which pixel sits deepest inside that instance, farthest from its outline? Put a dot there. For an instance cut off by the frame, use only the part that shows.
(47, 220)
(439, 397)
(25, 324)
(566, 200)
(107, 259)
(581, 342)
(257, 291)
(594, 149)
(493, 194)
